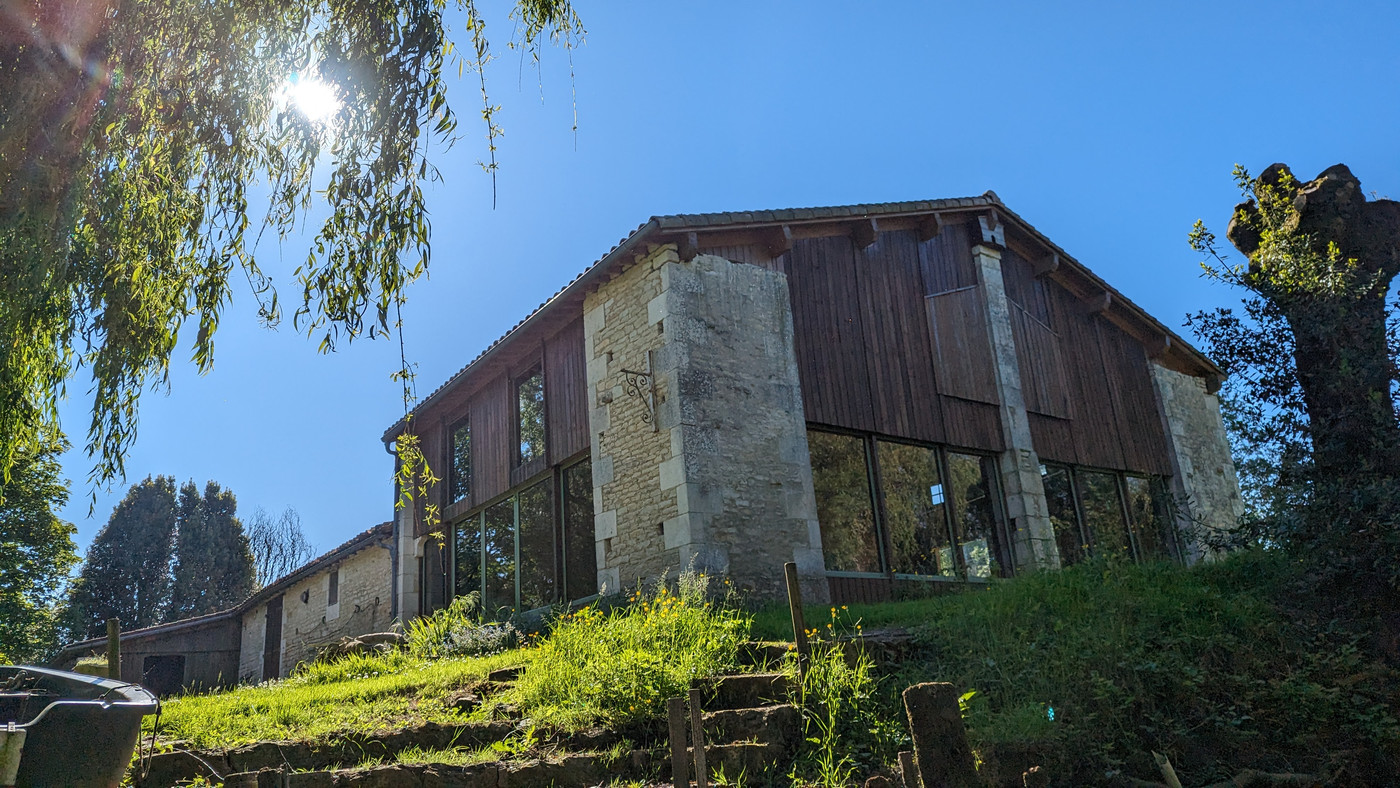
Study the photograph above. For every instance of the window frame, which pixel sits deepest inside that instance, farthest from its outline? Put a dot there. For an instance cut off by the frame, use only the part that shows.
(535, 367)
(875, 486)
(451, 443)
(1157, 487)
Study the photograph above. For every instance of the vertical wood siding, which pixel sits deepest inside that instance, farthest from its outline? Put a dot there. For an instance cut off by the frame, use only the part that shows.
(829, 333)
(492, 434)
(899, 345)
(566, 393)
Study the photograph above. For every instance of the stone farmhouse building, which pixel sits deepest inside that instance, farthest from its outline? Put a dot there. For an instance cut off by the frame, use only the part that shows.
(891, 396)
(345, 592)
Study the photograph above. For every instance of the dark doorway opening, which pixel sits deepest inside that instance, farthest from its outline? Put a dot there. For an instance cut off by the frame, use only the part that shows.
(164, 674)
(272, 641)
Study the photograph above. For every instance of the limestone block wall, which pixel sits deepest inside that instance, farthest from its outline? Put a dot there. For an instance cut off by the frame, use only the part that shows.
(250, 651)
(628, 449)
(307, 626)
(363, 606)
(1204, 483)
(720, 478)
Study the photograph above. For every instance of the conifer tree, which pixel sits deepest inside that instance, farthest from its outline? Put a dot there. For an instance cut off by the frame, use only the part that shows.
(213, 567)
(127, 572)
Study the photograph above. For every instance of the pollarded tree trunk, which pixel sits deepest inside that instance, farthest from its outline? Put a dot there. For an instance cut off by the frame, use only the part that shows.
(1337, 310)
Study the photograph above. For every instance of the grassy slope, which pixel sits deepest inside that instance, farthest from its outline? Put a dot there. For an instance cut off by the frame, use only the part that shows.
(355, 695)
(1197, 663)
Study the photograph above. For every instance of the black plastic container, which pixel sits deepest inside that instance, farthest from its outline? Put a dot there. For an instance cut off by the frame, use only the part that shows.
(80, 731)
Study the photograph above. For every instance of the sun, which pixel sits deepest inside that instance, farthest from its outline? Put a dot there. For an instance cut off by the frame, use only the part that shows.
(314, 98)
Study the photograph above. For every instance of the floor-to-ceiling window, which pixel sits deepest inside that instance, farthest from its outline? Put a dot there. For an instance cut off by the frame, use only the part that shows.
(525, 551)
(906, 509)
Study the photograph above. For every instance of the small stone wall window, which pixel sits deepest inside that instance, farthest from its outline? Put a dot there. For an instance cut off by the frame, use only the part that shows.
(530, 416)
(460, 469)
(333, 590)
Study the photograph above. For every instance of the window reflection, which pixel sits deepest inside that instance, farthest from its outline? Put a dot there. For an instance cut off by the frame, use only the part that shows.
(498, 546)
(460, 474)
(844, 509)
(581, 559)
(537, 549)
(1103, 513)
(974, 514)
(1059, 496)
(530, 410)
(914, 510)
(1147, 511)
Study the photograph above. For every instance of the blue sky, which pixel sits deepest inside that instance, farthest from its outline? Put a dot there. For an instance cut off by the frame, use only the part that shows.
(1109, 126)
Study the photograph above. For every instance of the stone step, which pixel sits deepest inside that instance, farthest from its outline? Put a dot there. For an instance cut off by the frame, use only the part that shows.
(778, 726)
(746, 763)
(745, 690)
(569, 771)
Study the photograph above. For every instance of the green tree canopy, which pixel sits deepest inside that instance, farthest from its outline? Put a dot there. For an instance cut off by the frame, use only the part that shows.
(126, 574)
(213, 567)
(36, 552)
(132, 136)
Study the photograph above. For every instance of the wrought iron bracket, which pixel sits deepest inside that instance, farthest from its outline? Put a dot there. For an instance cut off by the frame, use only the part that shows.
(642, 385)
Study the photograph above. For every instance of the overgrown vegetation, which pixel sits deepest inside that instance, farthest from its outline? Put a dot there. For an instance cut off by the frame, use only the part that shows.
(359, 693)
(1090, 669)
(621, 665)
(455, 631)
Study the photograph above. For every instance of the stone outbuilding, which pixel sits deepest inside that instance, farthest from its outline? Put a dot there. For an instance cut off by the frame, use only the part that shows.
(344, 593)
(891, 396)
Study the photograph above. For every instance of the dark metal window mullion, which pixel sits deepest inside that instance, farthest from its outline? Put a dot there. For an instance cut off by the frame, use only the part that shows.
(949, 504)
(877, 503)
(1134, 549)
(1003, 522)
(1081, 526)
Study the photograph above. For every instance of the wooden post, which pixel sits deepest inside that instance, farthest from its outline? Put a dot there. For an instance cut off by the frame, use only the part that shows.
(907, 770)
(680, 765)
(941, 750)
(697, 740)
(799, 623)
(114, 649)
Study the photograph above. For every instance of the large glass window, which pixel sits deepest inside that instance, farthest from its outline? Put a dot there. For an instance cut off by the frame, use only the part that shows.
(936, 512)
(537, 549)
(1103, 513)
(460, 472)
(530, 413)
(914, 510)
(466, 557)
(1059, 495)
(845, 512)
(975, 521)
(1147, 512)
(580, 551)
(498, 559)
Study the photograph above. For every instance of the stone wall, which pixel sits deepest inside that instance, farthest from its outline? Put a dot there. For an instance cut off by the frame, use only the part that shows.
(628, 448)
(310, 624)
(1204, 484)
(719, 478)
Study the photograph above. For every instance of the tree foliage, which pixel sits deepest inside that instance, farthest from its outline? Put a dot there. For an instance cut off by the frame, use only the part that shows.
(126, 574)
(136, 137)
(36, 552)
(1312, 366)
(278, 543)
(213, 568)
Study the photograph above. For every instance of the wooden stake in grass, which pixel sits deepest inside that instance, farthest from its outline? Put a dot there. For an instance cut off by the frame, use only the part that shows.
(697, 739)
(114, 649)
(907, 770)
(799, 623)
(680, 765)
(1168, 773)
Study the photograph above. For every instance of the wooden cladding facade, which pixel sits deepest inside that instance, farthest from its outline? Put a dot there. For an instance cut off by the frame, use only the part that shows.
(892, 339)
(488, 402)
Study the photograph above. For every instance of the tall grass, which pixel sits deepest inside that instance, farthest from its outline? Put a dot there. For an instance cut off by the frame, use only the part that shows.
(618, 666)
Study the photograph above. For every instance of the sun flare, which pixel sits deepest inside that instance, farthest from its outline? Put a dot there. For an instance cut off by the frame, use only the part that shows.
(313, 98)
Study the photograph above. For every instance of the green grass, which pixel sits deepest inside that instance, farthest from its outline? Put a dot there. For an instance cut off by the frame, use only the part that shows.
(1094, 667)
(620, 666)
(357, 694)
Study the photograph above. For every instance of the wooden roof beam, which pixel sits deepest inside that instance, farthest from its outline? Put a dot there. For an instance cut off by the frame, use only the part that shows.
(865, 233)
(688, 246)
(1048, 264)
(930, 227)
(1100, 303)
(779, 240)
(1159, 346)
